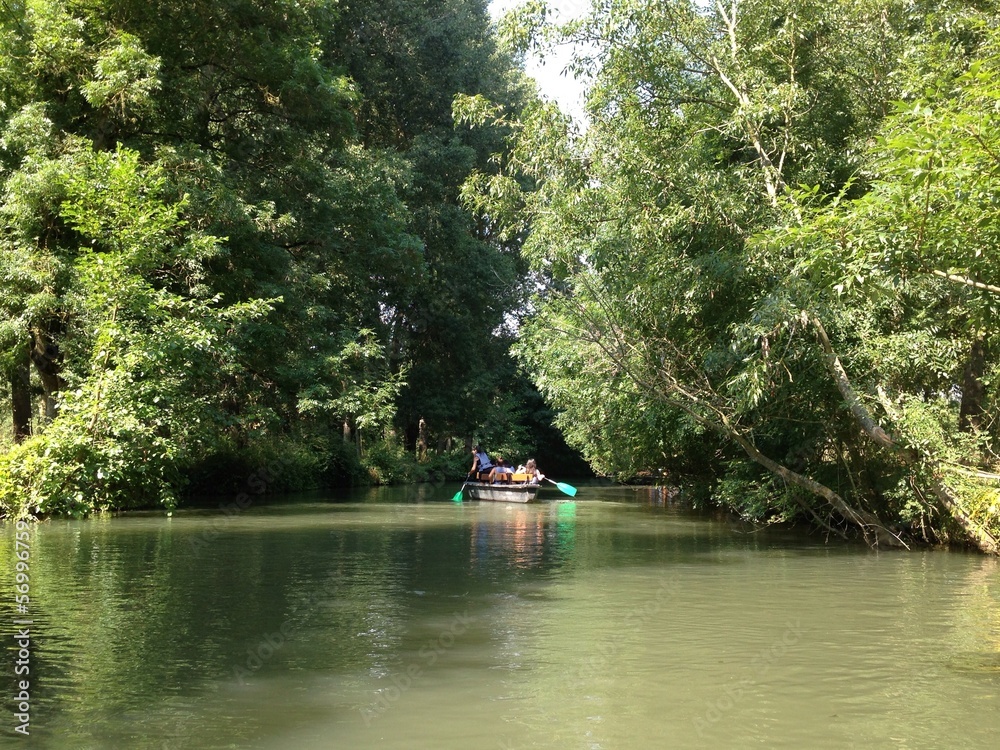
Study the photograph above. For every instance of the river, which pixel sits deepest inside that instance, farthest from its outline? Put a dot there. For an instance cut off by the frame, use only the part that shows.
(395, 618)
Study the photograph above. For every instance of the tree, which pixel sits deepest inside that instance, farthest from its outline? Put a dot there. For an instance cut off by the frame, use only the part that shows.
(217, 250)
(449, 327)
(671, 334)
(199, 154)
(918, 237)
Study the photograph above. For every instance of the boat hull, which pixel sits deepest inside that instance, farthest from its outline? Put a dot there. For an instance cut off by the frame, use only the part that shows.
(500, 493)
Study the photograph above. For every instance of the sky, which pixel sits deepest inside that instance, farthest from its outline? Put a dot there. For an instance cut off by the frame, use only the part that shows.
(553, 84)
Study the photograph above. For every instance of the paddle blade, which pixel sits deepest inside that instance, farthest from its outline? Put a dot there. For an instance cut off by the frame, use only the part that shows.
(567, 488)
(458, 495)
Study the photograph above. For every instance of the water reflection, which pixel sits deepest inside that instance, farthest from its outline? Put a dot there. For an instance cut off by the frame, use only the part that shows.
(522, 536)
(610, 622)
(977, 622)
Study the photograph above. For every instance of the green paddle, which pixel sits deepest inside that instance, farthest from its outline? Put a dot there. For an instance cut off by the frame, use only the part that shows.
(458, 495)
(567, 488)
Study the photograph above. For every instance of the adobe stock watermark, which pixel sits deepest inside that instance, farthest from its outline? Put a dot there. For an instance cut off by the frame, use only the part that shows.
(756, 671)
(22, 634)
(403, 680)
(268, 644)
(637, 619)
(256, 484)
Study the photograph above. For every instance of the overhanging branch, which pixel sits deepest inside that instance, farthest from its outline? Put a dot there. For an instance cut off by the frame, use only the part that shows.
(959, 279)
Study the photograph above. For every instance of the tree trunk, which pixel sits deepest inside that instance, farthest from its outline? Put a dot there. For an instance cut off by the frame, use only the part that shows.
(861, 518)
(675, 394)
(861, 414)
(20, 390)
(422, 440)
(982, 538)
(971, 411)
(867, 522)
(48, 362)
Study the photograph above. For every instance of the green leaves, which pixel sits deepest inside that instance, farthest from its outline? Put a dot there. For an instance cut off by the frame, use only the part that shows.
(229, 226)
(138, 402)
(685, 274)
(118, 207)
(354, 384)
(125, 77)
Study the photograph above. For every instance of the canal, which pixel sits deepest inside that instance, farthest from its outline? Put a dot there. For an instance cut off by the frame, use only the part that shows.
(395, 618)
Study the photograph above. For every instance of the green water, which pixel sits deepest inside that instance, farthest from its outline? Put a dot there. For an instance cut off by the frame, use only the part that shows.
(398, 619)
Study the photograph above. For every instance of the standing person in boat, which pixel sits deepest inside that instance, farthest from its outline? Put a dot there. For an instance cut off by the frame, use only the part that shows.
(534, 475)
(481, 463)
(501, 472)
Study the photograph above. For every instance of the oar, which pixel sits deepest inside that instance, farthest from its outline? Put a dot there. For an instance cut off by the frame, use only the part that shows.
(458, 495)
(567, 488)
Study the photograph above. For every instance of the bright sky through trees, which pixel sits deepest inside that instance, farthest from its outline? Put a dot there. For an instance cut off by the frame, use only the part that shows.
(553, 81)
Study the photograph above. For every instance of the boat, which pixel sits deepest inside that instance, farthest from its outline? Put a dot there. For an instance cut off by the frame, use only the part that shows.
(518, 490)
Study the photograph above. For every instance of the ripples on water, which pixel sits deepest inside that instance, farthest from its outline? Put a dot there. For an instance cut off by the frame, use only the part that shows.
(384, 621)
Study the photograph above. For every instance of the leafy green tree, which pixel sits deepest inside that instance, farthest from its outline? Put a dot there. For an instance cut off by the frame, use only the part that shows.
(137, 400)
(231, 230)
(449, 328)
(216, 134)
(911, 251)
(671, 335)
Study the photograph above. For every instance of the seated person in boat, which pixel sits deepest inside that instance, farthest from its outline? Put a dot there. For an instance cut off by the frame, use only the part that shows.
(482, 464)
(501, 472)
(534, 475)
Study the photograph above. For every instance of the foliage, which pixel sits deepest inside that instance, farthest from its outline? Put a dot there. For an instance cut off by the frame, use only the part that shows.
(232, 231)
(138, 403)
(909, 255)
(755, 253)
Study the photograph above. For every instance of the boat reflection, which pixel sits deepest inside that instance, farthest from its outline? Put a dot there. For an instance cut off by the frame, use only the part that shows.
(506, 536)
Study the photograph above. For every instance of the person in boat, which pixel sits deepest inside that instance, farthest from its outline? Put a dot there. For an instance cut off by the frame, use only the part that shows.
(534, 475)
(481, 463)
(501, 472)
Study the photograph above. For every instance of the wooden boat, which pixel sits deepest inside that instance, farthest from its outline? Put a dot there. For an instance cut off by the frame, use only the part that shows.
(515, 491)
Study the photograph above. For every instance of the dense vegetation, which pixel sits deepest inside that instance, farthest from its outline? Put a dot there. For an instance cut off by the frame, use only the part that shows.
(232, 235)
(770, 254)
(241, 234)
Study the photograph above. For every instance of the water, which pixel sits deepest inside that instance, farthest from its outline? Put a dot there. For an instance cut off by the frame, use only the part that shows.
(397, 619)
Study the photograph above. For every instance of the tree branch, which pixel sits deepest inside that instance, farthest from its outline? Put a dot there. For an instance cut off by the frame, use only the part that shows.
(985, 541)
(967, 281)
(860, 412)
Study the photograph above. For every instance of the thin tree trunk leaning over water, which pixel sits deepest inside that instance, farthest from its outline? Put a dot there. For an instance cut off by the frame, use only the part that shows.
(699, 402)
(867, 522)
(983, 539)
